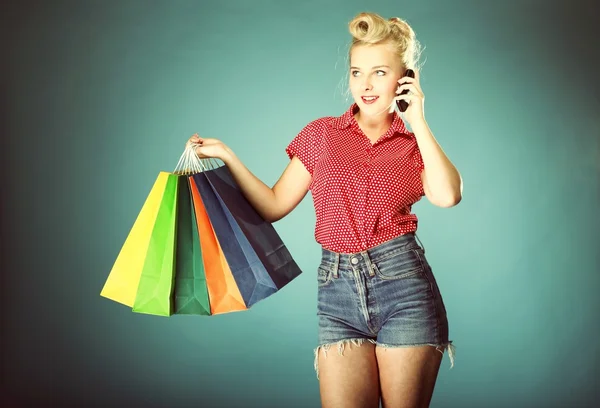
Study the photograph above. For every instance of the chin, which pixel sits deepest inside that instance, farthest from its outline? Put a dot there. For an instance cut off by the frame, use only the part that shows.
(376, 108)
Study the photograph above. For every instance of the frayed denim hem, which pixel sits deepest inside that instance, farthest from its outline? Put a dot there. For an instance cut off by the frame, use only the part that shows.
(358, 342)
(340, 347)
(439, 347)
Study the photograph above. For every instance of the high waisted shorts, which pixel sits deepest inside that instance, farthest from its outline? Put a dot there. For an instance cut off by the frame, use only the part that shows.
(386, 295)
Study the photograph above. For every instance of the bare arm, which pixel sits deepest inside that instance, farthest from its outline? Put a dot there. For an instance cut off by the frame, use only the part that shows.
(271, 203)
(442, 182)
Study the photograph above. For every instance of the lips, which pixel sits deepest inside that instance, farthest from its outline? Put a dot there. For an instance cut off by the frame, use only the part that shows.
(369, 99)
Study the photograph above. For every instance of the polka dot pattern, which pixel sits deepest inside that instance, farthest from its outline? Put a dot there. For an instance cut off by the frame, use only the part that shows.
(362, 192)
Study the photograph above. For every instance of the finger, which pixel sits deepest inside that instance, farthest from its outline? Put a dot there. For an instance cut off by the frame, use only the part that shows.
(410, 87)
(210, 141)
(198, 151)
(408, 98)
(406, 80)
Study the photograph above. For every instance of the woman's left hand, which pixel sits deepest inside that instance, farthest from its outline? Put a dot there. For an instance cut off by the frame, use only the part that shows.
(415, 98)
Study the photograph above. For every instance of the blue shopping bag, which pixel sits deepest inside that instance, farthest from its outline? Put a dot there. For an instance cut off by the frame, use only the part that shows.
(249, 273)
(261, 234)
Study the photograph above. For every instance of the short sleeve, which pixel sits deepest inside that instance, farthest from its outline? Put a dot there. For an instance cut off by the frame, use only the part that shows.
(307, 146)
(417, 158)
(419, 166)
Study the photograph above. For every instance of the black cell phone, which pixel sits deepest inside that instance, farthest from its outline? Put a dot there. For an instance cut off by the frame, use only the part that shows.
(402, 104)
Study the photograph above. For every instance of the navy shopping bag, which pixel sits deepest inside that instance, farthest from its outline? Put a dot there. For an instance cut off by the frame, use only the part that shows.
(261, 235)
(249, 273)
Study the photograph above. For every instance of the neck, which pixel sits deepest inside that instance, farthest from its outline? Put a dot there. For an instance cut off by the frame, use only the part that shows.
(376, 123)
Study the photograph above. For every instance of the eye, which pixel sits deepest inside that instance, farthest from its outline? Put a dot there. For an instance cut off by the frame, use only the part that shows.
(382, 72)
(354, 72)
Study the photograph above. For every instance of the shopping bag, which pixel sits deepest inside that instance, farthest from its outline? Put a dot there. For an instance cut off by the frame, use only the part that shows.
(249, 273)
(223, 292)
(261, 235)
(190, 293)
(122, 282)
(156, 281)
(198, 247)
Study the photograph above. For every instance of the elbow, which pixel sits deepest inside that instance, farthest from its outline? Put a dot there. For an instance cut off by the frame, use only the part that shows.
(273, 216)
(270, 213)
(448, 201)
(444, 196)
(452, 198)
(451, 202)
(272, 219)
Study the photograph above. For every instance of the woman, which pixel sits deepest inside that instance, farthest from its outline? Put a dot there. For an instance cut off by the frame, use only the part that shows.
(378, 301)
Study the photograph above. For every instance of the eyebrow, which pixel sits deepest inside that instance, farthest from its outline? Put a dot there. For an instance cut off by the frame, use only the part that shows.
(376, 66)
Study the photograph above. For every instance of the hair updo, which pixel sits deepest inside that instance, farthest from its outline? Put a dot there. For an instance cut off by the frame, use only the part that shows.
(372, 29)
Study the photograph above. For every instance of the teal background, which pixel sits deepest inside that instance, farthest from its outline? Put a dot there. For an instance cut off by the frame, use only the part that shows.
(98, 97)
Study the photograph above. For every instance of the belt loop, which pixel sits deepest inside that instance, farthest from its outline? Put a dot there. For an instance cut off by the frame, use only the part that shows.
(422, 246)
(336, 265)
(369, 263)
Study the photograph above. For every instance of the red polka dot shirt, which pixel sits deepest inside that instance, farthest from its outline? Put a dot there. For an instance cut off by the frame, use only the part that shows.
(362, 191)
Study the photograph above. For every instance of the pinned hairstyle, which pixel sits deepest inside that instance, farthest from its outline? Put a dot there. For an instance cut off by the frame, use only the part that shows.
(372, 29)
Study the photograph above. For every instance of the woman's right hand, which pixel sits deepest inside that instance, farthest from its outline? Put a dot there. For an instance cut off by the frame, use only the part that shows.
(207, 147)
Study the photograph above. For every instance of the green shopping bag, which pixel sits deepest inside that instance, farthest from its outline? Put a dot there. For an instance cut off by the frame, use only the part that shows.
(191, 293)
(155, 288)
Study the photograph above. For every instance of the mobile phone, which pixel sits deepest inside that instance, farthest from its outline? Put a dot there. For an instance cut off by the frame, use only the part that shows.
(402, 104)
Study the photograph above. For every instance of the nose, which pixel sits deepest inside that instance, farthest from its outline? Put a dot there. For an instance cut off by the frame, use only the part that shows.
(366, 83)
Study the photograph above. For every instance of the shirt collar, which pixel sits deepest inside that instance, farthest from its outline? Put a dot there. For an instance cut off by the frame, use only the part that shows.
(347, 120)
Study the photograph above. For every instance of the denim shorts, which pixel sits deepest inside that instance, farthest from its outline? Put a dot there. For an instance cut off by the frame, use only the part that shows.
(386, 295)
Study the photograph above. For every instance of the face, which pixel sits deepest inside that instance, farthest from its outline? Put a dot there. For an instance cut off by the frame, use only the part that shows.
(374, 74)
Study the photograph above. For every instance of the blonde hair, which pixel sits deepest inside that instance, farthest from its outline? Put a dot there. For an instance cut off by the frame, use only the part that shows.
(372, 29)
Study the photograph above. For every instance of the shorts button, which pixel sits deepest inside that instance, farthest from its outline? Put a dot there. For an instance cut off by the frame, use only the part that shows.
(354, 261)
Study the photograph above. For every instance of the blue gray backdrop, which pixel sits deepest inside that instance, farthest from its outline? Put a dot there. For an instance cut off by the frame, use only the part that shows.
(99, 96)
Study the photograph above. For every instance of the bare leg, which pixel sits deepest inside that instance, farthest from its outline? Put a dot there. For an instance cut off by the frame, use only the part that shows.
(408, 375)
(351, 379)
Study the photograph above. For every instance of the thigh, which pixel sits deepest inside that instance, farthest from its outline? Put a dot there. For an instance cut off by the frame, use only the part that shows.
(407, 375)
(348, 375)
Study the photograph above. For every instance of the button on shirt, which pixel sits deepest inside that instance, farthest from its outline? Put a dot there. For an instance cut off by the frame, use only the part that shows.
(362, 191)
